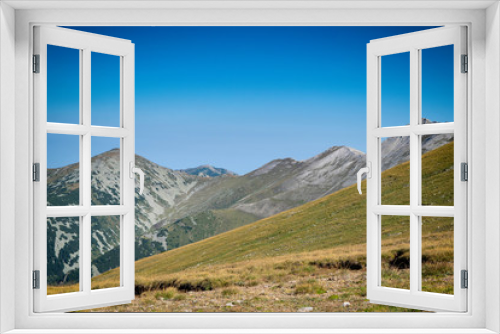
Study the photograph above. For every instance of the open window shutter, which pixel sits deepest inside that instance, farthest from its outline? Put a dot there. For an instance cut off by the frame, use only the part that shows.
(415, 294)
(82, 222)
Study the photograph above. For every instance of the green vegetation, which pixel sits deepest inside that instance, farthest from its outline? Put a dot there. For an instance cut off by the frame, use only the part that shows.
(169, 293)
(227, 292)
(335, 220)
(310, 287)
(204, 225)
(312, 255)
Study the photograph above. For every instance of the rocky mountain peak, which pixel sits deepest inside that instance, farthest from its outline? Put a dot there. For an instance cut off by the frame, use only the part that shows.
(207, 171)
(274, 166)
(206, 198)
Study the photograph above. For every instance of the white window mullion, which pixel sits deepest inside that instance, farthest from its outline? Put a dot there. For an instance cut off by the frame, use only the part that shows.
(406, 210)
(67, 129)
(373, 247)
(434, 211)
(86, 252)
(86, 175)
(56, 127)
(80, 211)
(434, 129)
(103, 131)
(414, 253)
(80, 130)
(414, 170)
(109, 210)
(123, 177)
(127, 103)
(422, 130)
(395, 131)
(392, 210)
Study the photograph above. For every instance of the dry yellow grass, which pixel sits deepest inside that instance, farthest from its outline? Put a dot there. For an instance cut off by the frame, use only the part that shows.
(286, 268)
(326, 235)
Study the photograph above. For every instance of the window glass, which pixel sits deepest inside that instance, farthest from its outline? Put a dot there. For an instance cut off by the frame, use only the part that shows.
(106, 173)
(395, 252)
(105, 252)
(105, 90)
(438, 170)
(395, 177)
(437, 84)
(437, 254)
(63, 85)
(395, 89)
(63, 255)
(63, 170)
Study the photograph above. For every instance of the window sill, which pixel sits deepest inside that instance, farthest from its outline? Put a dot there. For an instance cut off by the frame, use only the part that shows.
(251, 331)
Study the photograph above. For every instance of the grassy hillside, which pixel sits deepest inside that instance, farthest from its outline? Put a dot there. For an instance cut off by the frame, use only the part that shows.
(310, 256)
(335, 224)
(204, 225)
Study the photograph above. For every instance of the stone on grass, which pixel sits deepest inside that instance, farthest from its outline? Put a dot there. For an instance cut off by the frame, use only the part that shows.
(306, 309)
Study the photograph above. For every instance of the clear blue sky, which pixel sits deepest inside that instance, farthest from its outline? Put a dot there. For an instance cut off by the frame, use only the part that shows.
(238, 97)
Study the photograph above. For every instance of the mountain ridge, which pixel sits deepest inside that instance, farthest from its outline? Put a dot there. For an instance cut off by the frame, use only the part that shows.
(330, 232)
(177, 208)
(207, 171)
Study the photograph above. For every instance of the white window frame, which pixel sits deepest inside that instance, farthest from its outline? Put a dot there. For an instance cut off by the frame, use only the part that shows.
(85, 43)
(483, 211)
(414, 43)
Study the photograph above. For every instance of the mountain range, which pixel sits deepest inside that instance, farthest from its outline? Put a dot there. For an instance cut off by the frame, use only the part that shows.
(179, 207)
(302, 256)
(207, 171)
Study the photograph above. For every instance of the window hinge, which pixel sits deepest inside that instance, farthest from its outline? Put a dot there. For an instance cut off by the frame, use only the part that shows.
(465, 279)
(36, 172)
(36, 279)
(36, 63)
(464, 171)
(465, 64)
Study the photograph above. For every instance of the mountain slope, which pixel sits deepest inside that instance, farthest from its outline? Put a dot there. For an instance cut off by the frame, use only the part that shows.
(178, 208)
(336, 221)
(163, 189)
(279, 185)
(283, 184)
(207, 171)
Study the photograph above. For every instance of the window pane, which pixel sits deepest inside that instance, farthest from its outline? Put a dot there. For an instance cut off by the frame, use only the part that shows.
(395, 89)
(437, 254)
(105, 171)
(437, 170)
(105, 90)
(63, 255)
(395, 178)
(105, 252)
(63, 85)
(395, 232)
(63, 170)
(437, 84)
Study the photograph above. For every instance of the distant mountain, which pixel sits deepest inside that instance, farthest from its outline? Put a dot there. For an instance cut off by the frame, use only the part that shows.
(286, 183)
(397, 149)
(182, 207)
(163, 189)
(207, 171)
(279, 185)
(336, 223)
